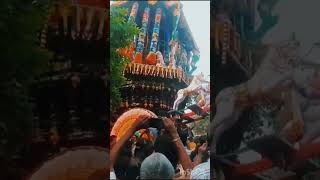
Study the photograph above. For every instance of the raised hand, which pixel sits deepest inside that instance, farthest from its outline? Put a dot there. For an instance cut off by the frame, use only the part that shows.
(169, 125)
(203, 148)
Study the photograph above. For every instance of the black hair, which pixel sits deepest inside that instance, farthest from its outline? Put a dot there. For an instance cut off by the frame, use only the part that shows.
(165, 146)
(144, 149)
(183, 133)
(133, 170)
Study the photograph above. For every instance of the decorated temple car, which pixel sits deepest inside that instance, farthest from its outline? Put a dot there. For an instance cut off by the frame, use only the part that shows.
(70, 99)
(162, 56)
(159, 78)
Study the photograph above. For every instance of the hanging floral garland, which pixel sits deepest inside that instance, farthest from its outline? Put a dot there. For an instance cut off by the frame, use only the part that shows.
(156, 71)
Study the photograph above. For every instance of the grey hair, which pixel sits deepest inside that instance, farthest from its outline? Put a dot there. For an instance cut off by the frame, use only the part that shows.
(156, 166)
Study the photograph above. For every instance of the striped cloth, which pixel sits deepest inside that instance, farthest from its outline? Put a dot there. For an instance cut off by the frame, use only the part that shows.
(201, 171)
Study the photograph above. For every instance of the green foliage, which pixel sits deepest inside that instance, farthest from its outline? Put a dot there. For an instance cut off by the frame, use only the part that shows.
(121, 35)
(21, 60)
(261, 118)
(201, 127)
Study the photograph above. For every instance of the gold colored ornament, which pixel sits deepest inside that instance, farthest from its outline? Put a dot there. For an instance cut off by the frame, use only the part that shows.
(162, 71)
(146, 70)
(126, 103)
(129, 66)
(145, 104)
(137, 69)
(166, 72)
(158, 70)
(153, 70)
(134, 68)
(142, 66)
(170, 72)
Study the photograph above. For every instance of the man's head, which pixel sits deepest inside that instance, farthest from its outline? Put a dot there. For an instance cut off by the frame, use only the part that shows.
(156, 166)
(143, 148)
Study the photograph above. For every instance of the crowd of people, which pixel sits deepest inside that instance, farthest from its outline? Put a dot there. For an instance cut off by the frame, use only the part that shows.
(159, 153)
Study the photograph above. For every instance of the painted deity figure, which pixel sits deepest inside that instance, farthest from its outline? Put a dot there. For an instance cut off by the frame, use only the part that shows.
(160, 61)
(160, 64)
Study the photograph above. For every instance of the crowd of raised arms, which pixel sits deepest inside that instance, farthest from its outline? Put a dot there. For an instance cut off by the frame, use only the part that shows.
(168, 153)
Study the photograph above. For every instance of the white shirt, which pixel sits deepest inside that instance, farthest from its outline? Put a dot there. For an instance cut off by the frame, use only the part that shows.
(112, 175)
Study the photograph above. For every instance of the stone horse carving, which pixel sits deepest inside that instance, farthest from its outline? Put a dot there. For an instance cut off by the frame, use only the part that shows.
(273, 77)
(203, 99)
(195, 88)
(285, 77)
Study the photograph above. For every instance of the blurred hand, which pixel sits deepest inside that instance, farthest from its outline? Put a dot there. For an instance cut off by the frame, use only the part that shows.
(169, 125)
(203, 148)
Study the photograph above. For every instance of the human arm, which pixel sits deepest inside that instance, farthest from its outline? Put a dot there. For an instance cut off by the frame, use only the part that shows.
(182, 154)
